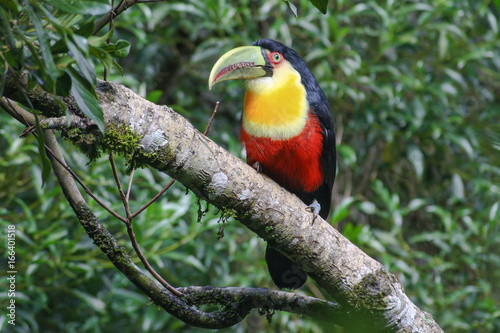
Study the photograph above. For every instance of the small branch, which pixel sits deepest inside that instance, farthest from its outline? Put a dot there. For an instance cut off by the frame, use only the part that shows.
(86, 189)
(264, 298)
(131, 233)
(130, 184)
(16, 89)
(65, 122)
(12, 109)
(211, 118)
(113, 13)
(145, 262)
(119, 186)
(153, 200)
(60, 123)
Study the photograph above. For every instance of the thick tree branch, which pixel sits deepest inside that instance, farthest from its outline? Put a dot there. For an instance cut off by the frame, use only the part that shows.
(373, 297)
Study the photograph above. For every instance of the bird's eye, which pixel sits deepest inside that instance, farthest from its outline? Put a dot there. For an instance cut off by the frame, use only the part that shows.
(276, 57)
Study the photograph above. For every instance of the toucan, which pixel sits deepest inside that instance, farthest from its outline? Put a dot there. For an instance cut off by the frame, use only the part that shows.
(286, 129)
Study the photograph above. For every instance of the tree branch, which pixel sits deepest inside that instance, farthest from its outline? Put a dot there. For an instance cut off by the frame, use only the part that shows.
(105, 19)
(236, 302)
(266, 299)
(372, 297)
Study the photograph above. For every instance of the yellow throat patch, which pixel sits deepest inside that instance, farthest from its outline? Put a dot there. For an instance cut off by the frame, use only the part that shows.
(276, 107)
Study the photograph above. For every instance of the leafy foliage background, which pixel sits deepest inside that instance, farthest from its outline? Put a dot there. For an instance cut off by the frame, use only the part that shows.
(414, 87)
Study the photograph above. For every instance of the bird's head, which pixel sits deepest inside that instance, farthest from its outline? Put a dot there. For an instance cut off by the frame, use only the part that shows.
(280, 87)
(266, 62)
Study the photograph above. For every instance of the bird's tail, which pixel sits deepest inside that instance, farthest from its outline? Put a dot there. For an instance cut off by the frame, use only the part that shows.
(284, 272)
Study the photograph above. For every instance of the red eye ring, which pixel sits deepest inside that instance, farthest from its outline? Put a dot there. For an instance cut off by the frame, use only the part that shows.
(276, 57)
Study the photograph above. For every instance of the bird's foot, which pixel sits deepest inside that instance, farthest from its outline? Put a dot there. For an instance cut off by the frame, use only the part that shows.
(257, 167)
(314, 208)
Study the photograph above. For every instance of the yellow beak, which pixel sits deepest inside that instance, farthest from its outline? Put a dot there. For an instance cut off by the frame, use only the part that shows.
(244, 62)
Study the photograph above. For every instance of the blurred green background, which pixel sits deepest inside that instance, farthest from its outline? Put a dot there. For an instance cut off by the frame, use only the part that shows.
(414, 89)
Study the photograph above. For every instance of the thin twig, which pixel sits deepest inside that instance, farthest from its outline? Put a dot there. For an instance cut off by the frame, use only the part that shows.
(130, 183)
(119, 185)
(130, 229)
(211, 118)
(152, 200)
(145, 262)
(114, 12)
(63, 122)
(85, 188)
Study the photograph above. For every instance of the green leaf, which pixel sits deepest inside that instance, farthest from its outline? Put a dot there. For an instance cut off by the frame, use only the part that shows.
(117, 66)
(61, 104)
(93, 302)
(54, 237)
(187, 259)
(445, 216)
(154, 96)
(46, 165)
(85, 97)
(342, 210)
(119, 49)
(84, 65)
(3, 71)
(415, 204)
(63, 62)
(103, 52)
(11, 5)
(292, 7)
(100, 41)
(63, 87)
(106, 59)
(320, 4)
(416, 158)
(443, 44)
(7, 34)
(51, 72)
(102, 55)
(494, 212)
(82, 7)
(497, 4)
(347, 154)
(87, 29)
(37, 60)
(458, 188)
(368, 207)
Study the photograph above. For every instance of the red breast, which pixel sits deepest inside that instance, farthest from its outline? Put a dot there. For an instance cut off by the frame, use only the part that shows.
(293, 163)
